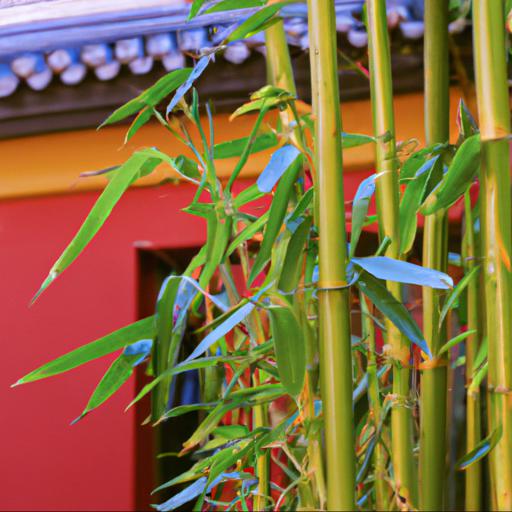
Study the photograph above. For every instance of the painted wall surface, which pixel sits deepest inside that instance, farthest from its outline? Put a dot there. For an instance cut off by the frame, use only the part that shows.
(45, 463)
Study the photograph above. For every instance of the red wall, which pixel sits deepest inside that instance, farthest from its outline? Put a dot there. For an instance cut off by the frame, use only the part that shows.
(47, 464)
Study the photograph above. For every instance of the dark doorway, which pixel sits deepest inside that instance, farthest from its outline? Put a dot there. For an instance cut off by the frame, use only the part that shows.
(154, 446)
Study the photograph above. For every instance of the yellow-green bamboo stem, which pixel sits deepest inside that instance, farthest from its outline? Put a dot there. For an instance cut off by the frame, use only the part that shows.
(334, 301)
(494, 116)
(387, 195)
(379, 457)
(473, 474)
(432, 462)
(280, 71)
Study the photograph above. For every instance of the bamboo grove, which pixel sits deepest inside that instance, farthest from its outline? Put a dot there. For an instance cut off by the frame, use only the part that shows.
(323, 384)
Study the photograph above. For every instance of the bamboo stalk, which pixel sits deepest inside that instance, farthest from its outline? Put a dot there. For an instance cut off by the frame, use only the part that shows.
(473, 474)
(387, 195)
(375, 406)
(494, 112)
(334, 301)
(280, 71)
(433, 414)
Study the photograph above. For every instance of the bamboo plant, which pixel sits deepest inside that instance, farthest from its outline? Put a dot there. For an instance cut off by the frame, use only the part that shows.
(290, 387)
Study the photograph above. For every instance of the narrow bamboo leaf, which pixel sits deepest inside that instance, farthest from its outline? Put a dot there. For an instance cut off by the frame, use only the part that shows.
(455, 293)
(352, 140)
(142, 118)
(390, 269)
(185, 170)
(455, 341)
(394, 310)
(481, 356)
(230, 5)
(187, 167)
(201, 65)
(248, 232)
(117, 374)
(236, 147)
(276, 217)
(483, 448)
(209, 423)
(290, 348)
(360, 206)
(279, 163)
(302, 205)
(150, 97)
(221, 330)
(249, 194)
(260, 104)
(194, 8)
(269, 91)
(465, 122)
(459, 177)
(251, 24)
(143, 329)
(99, 213)
(167, 342)
(411, 202)
(293, 262)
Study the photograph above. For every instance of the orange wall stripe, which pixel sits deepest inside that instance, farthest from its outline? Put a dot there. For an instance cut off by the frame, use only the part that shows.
(51, 163)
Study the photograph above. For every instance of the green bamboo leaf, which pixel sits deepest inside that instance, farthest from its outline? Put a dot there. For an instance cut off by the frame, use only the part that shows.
(117, 374)
(411, 202)
(256, 21)
(142, 118)
(455, 293)
(483, 448)
(465, 122)
(459, 177)
(230, 5)
(481, 356)
(195, 7)
(151, 96)
(121, 180)
(455, 341)
(360, 206)
(394, 310)
(248, 232)
(143, 329)
(292, 266)
(166, 344)
(236, 147)
(352, 140)
(249, 194)
(276, 217)
(257, 105)
(290, 348)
